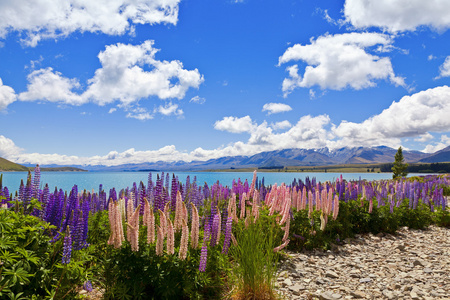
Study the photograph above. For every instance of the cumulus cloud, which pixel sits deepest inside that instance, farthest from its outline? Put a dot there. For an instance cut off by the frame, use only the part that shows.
(7, 95)
(444, 142)
(198, 100)
(121, 78)
(45, 19)
(138, 113)
(412, 116)
(281, 125)
(275, 108)
(444, 69)
(235, 124)
(398, 15)
(170, 110)
(327, 57)
(415, 116)
(47, 85)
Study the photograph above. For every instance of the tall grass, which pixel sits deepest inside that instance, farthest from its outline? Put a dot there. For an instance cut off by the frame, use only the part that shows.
(255, 261)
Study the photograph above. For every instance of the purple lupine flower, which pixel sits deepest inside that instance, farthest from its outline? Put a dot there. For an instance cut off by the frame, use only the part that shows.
(204, 251)
(215, 230)
(227, 241)
(173, 192)
(36, 181)
(67, 248)
(87, 286)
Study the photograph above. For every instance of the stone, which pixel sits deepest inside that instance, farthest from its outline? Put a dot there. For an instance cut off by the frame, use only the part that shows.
(364, 280)
(330, 296)
(357, 294)
(331, 274)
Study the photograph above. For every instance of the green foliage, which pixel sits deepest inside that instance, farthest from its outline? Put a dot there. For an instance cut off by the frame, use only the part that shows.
(441, 217)
(127, 274)
(399, 168)
(30, 266)
(255, 262)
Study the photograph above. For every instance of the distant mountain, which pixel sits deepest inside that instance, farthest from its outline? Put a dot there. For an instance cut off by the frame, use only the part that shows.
(285, 157)
(439, 156)
(6, 165)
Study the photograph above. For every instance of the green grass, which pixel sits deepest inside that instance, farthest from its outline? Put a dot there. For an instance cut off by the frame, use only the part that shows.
(6, 165)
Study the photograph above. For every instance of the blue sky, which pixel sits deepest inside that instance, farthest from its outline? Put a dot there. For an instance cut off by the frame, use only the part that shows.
(115, 82)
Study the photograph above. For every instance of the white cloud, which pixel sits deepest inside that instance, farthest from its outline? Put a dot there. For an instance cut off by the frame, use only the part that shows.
(45, 19)
(445, 142)
(123, 78)
(45, 84)
(412, 116)
(138, 113)
(235, 124)
(327, 57)
(111, 110)
(281, 125)
(7, 95)
(424, 137)
(444, 69)
(8, 148)
(275, 108)
(170, 110)
(198, 100)
(398, 15)
(431, 57)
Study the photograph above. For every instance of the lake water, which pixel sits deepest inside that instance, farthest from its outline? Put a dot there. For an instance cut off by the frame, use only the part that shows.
(119, 180)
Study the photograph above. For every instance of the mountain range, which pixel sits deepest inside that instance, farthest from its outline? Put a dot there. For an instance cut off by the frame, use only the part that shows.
(286, 157)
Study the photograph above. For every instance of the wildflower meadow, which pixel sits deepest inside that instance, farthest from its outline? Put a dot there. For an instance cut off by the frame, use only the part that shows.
(166, 239)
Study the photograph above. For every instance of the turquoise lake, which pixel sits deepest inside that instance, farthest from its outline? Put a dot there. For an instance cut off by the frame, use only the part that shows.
(119, 180)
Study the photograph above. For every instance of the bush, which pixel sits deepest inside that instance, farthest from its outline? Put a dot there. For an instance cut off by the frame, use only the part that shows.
(30, 265)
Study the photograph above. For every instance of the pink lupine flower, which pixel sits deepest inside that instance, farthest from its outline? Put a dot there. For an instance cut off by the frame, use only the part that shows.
(170, 237)
(255, 207)
(318, 201)
(130, 209)
(244, 198)
(146, 211)
(252, 187)
(370, 205)
(133, 229)
(184, 215)
(286, 229)
(286, 209)
(336, 207)
(194, 227)
(184, 240)
(118, 227)
(310, 203)
(286, 242)
(167, 210)
(178, 212)
(159, 241)
(294, 198)
(162, 222)
(304, 195)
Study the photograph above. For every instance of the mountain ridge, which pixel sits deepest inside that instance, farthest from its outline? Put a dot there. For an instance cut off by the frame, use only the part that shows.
(285, 157)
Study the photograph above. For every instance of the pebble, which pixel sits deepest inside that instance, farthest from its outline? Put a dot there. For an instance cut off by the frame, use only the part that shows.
(413, 264)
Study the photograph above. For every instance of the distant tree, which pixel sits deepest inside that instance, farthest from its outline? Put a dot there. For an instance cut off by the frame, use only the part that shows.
(399, 168)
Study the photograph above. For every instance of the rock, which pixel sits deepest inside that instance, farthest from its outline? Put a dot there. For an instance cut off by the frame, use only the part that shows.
(358, 294)
(329, 296)
(364, 280)
(296, 288)
(389, 294)
(287, 282)
(331, 274)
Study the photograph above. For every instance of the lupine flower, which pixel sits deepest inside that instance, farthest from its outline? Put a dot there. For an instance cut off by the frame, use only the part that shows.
(204, 252)
(150, 225)
(336, 207)
(170, 237)
(178, 212)
(286, 229)
(215, 230)
(194, 227)
(252, 187)
(286, 242)
(162, 222)
(226, 243)
(243, 199)
(159, 241)
(67, 248)
(87, 286)
(184, 240)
